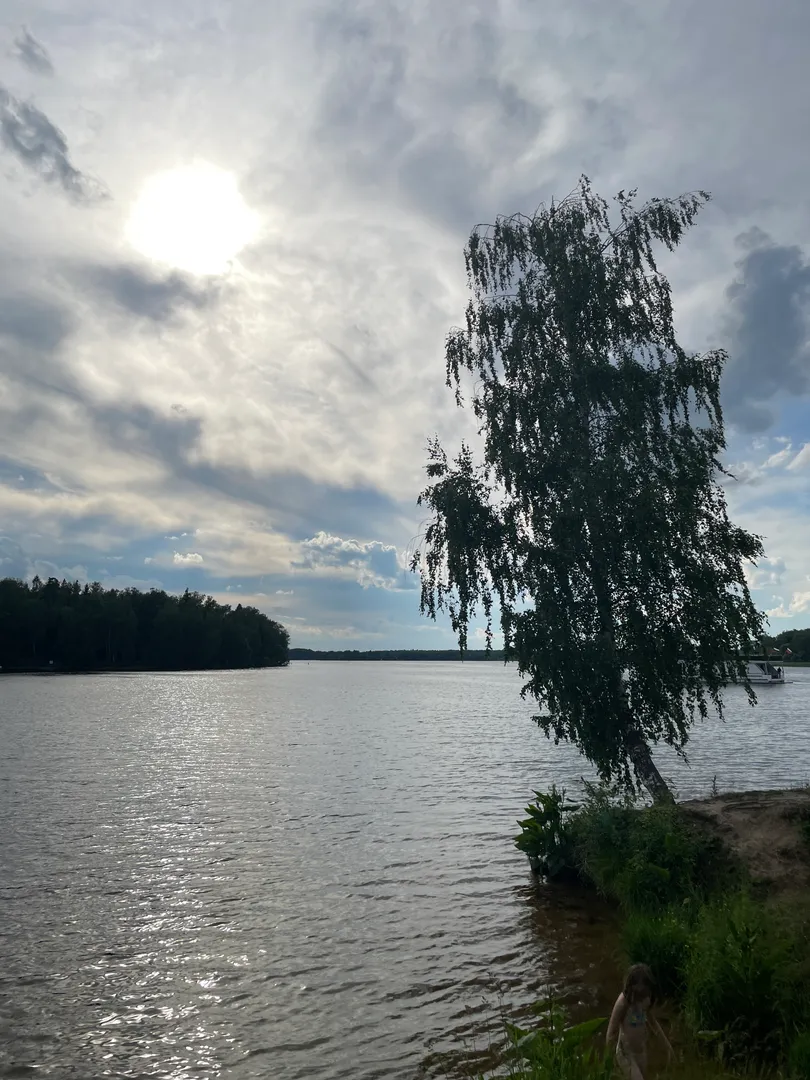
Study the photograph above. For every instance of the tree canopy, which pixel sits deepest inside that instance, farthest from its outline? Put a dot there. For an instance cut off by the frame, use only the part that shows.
(88, 628)
(796, 642)
(596, 520)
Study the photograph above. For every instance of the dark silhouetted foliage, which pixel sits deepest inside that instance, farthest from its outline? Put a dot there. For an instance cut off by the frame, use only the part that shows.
(71, 627)
(595, 521)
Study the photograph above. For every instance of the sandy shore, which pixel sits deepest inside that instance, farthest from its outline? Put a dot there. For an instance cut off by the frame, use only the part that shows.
(764, 829)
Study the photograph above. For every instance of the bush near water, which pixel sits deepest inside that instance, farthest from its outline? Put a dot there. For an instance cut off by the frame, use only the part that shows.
(735, 965)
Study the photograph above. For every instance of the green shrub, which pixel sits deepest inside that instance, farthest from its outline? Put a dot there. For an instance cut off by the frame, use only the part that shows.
(546, 836)
(600, 834)
(661, 940)
(735, 986)
(647, 857)
(799, 1057)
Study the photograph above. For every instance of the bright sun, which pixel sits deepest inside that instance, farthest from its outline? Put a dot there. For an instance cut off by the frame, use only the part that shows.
(192, 218)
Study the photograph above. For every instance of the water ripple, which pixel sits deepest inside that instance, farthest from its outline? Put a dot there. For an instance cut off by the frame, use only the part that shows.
(298, 873)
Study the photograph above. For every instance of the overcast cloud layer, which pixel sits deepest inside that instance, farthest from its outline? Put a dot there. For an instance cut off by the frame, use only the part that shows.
(261, 433)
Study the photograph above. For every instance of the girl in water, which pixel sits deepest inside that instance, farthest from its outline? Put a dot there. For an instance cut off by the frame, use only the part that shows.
(627, 1030)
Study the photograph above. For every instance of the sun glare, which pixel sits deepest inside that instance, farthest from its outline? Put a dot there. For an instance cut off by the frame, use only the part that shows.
(192, 218)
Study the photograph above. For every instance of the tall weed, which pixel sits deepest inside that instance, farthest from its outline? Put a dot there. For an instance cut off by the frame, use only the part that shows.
(662, 941)
(735, 988)
(799, 1057)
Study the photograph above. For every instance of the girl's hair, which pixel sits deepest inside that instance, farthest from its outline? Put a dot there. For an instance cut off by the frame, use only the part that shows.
(639, 984)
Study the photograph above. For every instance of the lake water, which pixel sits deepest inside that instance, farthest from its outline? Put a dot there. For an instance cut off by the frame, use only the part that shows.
(303, 872)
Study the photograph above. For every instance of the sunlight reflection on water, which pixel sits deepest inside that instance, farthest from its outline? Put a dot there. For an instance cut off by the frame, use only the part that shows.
(297, 873)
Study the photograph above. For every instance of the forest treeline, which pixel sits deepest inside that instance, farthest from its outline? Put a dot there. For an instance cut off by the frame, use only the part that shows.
(797, 641)
(394, 654)
(71, 627)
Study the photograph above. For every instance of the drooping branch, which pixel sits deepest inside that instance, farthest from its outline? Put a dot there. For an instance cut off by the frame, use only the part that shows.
(595, 521)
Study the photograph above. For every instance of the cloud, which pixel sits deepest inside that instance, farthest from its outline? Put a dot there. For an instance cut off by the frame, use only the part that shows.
(799, 604)
(296, 399)
(127, 581)
(770, 334)
(32, 321)
(42, 148)
(802, 459)
(32, 54)
(781, 457)
(371, 564)
(14, 563)
(478, 638)
(140, 292)
(300, 630)
(768, 571)
(186, 559)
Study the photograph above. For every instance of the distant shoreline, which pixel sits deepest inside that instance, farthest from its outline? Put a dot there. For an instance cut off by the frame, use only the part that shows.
(395, 654)
(304, 655)
(431, 654)
(54, 670)
(294, 654)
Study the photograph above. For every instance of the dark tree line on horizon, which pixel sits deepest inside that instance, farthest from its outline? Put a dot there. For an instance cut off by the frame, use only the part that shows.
(394, 654)
(74, 627)
(797, 641)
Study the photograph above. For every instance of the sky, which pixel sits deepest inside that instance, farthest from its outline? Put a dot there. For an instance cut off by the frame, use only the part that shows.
(233, 237)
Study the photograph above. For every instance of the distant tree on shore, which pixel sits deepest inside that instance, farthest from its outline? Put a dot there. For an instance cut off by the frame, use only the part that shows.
(791, 644)
(596, 520)
(89, 627)
(395, 654)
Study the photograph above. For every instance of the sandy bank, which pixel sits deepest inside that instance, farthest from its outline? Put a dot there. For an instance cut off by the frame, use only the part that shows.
(764, 829)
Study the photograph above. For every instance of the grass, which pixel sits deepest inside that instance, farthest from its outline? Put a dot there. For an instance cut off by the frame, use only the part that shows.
(663, 941)
(735, 979)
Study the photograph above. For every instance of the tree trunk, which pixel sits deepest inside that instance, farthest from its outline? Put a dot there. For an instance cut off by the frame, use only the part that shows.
(647, 771)
(639, 751)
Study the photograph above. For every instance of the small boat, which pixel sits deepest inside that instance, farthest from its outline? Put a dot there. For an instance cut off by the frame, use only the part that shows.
(763, 673)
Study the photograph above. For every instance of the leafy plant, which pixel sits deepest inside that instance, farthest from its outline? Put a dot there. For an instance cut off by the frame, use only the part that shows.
(546, 837)
(554, 1051)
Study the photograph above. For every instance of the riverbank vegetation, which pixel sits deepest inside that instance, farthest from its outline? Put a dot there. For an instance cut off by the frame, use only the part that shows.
(595, 526)
(730, 948)
(64, 626)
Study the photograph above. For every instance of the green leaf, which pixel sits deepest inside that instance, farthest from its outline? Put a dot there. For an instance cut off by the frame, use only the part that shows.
(586, 1029)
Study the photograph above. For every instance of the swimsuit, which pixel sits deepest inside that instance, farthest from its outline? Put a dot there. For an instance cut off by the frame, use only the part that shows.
(634, 1018)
